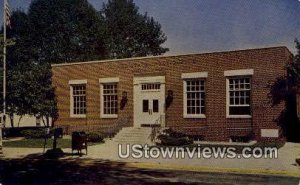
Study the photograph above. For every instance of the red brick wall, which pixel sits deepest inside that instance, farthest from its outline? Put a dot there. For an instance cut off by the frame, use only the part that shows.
(268, 63)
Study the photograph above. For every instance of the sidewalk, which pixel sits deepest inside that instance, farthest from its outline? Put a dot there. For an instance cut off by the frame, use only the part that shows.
(284, 165)
(285, 162)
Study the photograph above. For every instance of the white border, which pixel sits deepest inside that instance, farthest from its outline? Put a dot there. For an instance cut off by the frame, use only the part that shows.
(185, 115)
(107, 81)
(227, 103)
(72, 115)
(77, 82)
(240, 72)
(194, 75)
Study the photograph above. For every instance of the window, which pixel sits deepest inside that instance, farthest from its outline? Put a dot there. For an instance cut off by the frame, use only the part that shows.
(239, 96)
(155, 106)
(109, 100)
(194, 98)
(150, 86)
(78, 100)
(145, 105)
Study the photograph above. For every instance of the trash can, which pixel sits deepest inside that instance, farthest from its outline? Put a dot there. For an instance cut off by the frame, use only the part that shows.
(79, 142)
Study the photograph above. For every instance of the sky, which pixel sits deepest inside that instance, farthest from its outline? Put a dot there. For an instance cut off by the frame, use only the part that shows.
(197, 26)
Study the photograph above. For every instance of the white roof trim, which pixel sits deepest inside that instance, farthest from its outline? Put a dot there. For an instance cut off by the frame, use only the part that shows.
(160, 56)
(75, 82)
(109, 80)
(149, 79)
(241, 72)
(194, 75)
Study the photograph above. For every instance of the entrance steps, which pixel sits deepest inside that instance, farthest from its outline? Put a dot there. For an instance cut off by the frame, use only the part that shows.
(133, 135)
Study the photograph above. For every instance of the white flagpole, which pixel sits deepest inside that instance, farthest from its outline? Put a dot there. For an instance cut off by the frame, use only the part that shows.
(4, 74)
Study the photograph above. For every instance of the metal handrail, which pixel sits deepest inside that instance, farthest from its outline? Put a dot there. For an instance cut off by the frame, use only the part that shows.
(155, 128)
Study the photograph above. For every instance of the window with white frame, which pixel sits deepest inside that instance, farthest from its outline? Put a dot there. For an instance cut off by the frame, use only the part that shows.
(78, 100)
(194, 98)
(239, 96)
(109, 92)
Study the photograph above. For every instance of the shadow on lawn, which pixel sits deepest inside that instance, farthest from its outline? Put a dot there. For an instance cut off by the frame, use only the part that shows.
(35, 169)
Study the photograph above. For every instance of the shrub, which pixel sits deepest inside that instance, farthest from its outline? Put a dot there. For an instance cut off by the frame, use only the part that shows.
(54, 153)
(174, 141)
(94, 137)
(33, 133)
(298, 161)
(173, 133)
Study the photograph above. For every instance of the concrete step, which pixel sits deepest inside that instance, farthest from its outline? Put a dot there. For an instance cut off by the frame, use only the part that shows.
(132, 135)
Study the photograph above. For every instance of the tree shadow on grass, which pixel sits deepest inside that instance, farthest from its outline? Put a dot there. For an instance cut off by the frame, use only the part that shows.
(35, 169)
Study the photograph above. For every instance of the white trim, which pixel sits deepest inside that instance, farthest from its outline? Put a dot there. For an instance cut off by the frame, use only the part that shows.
(149, 79)
(164, 56)
(78, 115)
(109, 80)
(102, 115)
(109, 116)
(227, 104)
(185, 115)
(76, 82)
(194, 75)
(72, 115)
(238, 116)
(269, 133)
(138, 95)
(194, 115)
(240, 72)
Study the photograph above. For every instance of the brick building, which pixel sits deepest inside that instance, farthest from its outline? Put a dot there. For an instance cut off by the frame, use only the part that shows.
(218, 96)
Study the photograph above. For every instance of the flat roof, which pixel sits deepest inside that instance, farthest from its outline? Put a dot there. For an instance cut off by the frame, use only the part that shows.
(163, 56)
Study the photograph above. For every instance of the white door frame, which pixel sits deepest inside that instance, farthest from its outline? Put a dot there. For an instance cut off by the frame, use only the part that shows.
(137, 95)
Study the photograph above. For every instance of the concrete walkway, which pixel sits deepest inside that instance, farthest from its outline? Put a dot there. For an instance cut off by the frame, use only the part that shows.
(285, 162)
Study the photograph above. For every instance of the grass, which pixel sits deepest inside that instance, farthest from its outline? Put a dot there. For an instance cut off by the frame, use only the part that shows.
(38, 143)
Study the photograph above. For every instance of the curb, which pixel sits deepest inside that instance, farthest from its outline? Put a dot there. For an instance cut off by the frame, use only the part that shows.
(242, 171)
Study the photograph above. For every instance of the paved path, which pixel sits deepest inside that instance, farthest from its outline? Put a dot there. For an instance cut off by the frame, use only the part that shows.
(109, 151)
(285, 161)
(87, 171)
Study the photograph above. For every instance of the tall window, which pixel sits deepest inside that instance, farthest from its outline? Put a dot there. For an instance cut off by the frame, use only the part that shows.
(109, 100)
(79, 99)
(194, 98)
(239, 96)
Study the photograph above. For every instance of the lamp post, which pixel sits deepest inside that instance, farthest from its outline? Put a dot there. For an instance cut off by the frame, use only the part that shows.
(5, 14)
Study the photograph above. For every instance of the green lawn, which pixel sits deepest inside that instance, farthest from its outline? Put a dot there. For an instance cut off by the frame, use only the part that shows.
(38, 143)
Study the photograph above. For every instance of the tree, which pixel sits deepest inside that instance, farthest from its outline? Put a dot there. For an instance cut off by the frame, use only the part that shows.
(65, 31)
(129, 33)
(284, 89)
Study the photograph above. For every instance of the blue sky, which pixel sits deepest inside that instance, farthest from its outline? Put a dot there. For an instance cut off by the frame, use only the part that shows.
(196, 26)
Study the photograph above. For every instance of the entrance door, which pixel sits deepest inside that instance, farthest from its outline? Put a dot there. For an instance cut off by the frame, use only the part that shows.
(150, 109)
(149, 93)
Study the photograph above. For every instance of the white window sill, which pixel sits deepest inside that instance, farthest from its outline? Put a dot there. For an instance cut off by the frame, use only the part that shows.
(109, 116)
(78, 116)
(239, 116)
(194, 116)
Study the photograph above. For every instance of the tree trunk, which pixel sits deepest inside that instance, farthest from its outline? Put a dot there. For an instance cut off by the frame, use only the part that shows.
(11, 117)
(47, 121)
(20, 120)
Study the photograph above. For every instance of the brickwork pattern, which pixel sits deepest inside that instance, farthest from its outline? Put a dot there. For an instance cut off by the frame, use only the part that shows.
(268, 64)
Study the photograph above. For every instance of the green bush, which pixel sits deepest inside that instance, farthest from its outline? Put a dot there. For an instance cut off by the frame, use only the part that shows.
(174, 141)
(173, 133)
(94, 137)
(298, 161)
(33, 133)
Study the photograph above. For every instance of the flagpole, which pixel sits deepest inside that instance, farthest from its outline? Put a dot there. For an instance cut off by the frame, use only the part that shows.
(4, 75)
